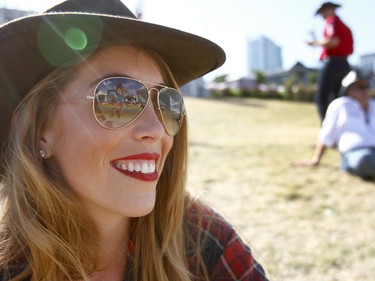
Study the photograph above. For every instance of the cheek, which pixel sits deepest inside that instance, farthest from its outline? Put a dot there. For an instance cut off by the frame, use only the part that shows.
(75, 117)
(78, 140)
(167, 147)
(168, 144)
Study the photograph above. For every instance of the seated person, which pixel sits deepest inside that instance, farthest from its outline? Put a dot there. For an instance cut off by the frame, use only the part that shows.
(350, 125)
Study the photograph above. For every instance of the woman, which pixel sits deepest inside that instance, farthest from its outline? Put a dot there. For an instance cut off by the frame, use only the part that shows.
(350, 125)
(88, 195)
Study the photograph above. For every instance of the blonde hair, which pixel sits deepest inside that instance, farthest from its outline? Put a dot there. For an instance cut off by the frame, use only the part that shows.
(45, 231)
(43, 226)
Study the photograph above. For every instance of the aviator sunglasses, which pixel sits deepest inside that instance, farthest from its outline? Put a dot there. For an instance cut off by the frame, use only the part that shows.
(119, 101)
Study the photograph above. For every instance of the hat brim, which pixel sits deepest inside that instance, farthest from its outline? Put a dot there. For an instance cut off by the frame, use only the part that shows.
(28, 54)
(331, 5)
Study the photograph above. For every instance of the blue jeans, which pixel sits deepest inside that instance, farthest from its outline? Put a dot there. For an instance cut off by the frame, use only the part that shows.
(360, 162)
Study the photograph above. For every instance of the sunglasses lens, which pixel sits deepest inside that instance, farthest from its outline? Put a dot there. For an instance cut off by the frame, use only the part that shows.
(119, 101)
(172, 109)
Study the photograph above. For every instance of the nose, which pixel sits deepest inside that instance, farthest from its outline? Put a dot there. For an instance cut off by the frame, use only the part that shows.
(148, 125)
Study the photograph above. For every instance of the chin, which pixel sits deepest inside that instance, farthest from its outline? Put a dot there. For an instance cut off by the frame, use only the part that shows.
(141, 210)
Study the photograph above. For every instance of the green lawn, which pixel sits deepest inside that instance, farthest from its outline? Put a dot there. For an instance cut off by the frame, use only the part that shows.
(303, 224)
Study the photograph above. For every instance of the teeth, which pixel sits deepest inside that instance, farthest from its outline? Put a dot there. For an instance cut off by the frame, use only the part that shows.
(137, 167)
(152, 167)
(131, 167)
(140, 166)
(144, 168)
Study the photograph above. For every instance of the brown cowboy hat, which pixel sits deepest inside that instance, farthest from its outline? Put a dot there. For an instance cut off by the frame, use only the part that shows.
(31, 47)
(327, 5)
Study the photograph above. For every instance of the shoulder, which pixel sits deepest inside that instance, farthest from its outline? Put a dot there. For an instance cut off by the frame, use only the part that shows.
(340, 102)
(341, 105)
(222, 250)
(201, 218)
(334, 19)
(337, 25)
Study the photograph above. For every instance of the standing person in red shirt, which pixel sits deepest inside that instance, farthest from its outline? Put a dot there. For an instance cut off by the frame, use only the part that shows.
(337, 45)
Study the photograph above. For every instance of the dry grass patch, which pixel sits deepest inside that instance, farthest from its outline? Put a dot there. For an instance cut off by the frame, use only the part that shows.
(303, 224)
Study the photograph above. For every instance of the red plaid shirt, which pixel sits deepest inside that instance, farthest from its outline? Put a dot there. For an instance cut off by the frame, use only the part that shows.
(225, 255)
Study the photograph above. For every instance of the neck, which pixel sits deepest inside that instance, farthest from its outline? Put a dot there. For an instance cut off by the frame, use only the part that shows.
(113, 252)
(364, 104)
(114, 238)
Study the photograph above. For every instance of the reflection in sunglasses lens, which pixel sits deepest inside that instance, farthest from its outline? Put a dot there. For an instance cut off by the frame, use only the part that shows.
(119, 101)
(172, 108)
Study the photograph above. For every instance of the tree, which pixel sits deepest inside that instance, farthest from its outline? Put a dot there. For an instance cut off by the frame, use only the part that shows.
(222, 78)
(312, 78)
(260, 78)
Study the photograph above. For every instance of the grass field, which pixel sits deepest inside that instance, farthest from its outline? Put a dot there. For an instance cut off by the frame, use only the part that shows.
(302, 224)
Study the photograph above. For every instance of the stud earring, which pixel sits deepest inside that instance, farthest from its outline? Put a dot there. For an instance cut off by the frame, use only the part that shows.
(43, 153)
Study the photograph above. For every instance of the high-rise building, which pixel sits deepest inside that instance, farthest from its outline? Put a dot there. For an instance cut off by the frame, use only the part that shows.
(367, 63)
(264, 55)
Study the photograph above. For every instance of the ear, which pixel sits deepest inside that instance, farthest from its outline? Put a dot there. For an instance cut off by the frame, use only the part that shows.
(47, 142)
(45, 149)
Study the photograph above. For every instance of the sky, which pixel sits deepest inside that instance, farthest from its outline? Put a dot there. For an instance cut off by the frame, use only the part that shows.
(232, 23)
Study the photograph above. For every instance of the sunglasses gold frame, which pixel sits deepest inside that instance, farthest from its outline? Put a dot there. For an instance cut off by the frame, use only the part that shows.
(157, 109)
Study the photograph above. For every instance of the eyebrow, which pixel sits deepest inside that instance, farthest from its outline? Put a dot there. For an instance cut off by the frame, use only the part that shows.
(98, 80)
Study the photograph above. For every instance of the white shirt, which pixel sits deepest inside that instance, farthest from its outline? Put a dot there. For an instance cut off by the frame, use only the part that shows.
(347, 126)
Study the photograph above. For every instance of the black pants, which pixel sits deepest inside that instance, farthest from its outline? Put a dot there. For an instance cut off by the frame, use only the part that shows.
(331, 75)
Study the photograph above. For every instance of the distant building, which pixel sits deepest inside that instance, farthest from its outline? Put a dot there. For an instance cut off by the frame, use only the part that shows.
(264, 55)
(244, 83)
(196, 88)
(302, 74)
(367, 63)
(9, 14)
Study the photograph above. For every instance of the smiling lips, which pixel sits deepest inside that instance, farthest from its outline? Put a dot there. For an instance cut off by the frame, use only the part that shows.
(139, 166)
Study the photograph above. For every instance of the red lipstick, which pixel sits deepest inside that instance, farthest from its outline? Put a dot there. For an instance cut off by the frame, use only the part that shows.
(139, 166)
